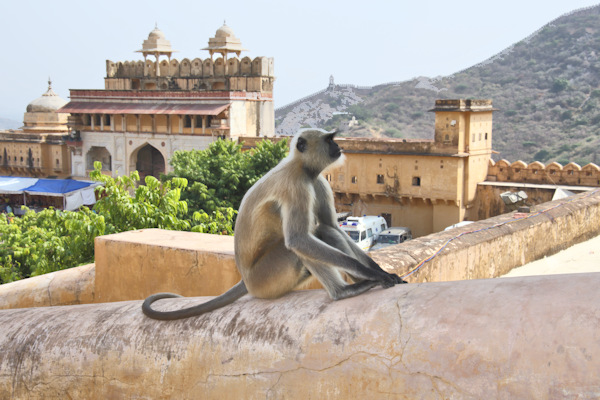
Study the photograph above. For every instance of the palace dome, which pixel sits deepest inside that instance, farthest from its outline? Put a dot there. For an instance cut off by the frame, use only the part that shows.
(48, 102)
(42, 116)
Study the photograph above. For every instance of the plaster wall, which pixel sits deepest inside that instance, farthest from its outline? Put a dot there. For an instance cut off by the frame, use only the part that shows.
(133, 265)
(514, 338)
(122, 146)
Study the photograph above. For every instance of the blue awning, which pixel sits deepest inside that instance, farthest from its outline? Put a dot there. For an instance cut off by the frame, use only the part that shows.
(57, 186)
(74, 193)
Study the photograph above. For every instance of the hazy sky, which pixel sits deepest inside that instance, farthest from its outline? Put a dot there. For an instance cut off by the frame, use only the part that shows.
(359, 42)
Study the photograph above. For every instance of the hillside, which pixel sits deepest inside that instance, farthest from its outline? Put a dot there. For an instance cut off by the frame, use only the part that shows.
(546, 87)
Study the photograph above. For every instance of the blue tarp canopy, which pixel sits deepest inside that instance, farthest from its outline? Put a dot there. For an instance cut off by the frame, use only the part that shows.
(52, 187)
(74, 193)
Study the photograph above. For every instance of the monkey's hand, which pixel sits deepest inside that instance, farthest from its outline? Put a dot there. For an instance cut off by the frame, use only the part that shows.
(398, 279)
(395, 279)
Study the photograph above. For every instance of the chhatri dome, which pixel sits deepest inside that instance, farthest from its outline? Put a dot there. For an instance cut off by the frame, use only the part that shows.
(41, 115)
(156, 45)
(224, 42)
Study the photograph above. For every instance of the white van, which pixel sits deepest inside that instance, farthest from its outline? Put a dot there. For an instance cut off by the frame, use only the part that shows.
(393, 235)
(364, 230)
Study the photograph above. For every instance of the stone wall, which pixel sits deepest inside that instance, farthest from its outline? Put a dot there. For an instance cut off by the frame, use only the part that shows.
(492, 247)
(207, 68)
(133, 265)
(514, 338)
(536, 172)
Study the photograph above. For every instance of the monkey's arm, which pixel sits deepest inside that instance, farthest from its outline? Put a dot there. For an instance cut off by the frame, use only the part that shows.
(336, 236)
(299, 239)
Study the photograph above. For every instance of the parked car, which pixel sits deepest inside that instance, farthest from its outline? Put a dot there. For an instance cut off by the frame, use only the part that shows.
(391, 236)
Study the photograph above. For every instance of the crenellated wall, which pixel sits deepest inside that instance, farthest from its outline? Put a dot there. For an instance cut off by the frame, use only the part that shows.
(536, 172)
(197, 67)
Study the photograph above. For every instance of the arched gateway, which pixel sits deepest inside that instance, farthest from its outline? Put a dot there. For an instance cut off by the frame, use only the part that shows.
(149, 161)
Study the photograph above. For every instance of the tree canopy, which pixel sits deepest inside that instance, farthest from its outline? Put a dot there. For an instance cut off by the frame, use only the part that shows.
(220, 175)
(51, 240)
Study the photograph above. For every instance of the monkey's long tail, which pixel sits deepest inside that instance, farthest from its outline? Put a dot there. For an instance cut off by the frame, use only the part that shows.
(226, 298)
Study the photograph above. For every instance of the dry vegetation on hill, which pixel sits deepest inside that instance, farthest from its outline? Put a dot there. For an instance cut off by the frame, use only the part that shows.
(546, 89)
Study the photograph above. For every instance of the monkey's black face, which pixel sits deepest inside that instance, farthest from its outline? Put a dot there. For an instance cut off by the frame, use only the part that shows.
(334, 150)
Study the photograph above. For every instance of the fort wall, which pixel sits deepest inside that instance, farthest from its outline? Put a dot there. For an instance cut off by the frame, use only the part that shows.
(197, 67)
(536, 172)
(133, 265)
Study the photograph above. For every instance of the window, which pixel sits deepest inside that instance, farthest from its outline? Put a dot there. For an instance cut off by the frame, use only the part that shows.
(473, 138)
(97, 119)
(328, 177)
(198, 121)
(369, 233)
(187, 121)
(380, 180)
(354, 179)
(106, 120)
(416, 181)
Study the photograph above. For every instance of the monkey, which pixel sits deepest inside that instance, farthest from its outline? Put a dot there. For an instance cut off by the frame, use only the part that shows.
(287, 234)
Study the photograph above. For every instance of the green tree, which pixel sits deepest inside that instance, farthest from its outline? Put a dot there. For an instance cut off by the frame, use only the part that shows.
(153, 205)
(220, 175)
(559, 85)
(38, 243)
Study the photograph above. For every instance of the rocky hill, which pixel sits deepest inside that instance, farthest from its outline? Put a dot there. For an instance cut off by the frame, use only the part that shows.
(546, 87)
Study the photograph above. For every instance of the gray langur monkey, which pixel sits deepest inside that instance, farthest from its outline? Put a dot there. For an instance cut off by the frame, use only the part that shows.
(286, 232)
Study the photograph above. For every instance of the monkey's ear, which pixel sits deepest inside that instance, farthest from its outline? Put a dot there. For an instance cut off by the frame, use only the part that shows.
(301, 144)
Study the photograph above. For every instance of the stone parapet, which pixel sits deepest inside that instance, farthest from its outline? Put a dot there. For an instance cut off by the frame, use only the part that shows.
(69, 286)
(132, 265)
(551, 174)
(514, 338)
(492, 247)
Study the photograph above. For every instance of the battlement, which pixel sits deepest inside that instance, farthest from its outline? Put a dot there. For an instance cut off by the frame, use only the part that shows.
(536, 172)
(196, 68)
(245, 75)
(463, 105)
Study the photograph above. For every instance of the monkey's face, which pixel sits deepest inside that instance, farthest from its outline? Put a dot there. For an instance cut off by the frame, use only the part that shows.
(316, 150)
(334, 149)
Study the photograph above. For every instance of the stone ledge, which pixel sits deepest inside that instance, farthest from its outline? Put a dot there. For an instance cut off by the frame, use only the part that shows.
(494, 252)
(133, 265)
(533, 337)
(66, 287)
